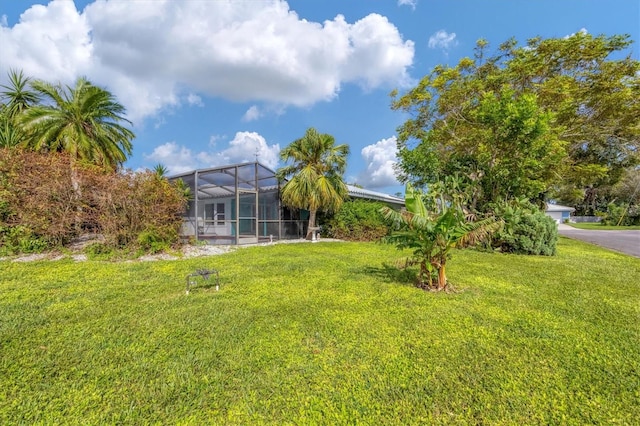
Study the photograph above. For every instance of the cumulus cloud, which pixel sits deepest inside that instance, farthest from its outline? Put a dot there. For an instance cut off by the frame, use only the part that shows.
(50, 42)
(442, 40)
(245, 147)
(380, 159)
(176, 158)
(151, 54)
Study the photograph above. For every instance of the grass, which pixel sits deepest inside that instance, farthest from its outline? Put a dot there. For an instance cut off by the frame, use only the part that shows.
(601, 227)
(322, 334)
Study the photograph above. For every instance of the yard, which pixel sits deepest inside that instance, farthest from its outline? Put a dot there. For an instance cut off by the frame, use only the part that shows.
(323, 333)
(601, 227)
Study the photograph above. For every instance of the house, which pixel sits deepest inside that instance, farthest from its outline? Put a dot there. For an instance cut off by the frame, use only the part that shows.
(240, 204)
(559, 213)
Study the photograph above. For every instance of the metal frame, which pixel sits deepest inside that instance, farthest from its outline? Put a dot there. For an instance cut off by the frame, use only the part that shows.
(231, 183)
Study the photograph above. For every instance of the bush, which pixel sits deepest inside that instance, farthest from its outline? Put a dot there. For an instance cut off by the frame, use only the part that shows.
(526, 230)
(621, 214)
(20, 239)
(46, 200)
(155, 240)
(357, 220)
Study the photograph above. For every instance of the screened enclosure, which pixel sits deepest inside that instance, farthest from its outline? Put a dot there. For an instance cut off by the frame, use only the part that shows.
(238, 204)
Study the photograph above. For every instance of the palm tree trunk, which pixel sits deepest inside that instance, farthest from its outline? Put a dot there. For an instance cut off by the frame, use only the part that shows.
(312, 224)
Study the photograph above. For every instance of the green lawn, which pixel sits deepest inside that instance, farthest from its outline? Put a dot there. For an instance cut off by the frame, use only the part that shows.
(601, 227)
(322, 334)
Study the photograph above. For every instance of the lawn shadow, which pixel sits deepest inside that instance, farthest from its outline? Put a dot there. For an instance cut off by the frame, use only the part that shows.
(391, 273)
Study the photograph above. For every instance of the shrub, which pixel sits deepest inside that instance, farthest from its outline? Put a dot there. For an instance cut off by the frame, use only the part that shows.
(357, 220)
(46, 200)
(20, 239)
(621, 214)
(155, 240)
(98, 250)
(526, 230)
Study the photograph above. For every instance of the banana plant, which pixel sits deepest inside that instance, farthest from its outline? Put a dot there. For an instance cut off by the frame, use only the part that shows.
(431, 233)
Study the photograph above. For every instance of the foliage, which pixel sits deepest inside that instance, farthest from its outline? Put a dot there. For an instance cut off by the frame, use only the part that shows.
(38, 198)
(20, 239)
(316, 174)
(38, 203)
(526, 230)
(621, 215)
(15, 98)
(555, 115)
(433, 229)
(83, 120)
(322, 334)
(357, 220)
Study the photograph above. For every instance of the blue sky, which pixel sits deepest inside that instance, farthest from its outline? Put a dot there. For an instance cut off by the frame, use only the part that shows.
(210, 82)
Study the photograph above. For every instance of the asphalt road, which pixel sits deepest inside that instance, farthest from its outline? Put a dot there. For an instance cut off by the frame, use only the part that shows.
(623, 241)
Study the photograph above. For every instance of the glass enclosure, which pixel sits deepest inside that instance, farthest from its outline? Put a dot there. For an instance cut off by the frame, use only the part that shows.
(238, 204)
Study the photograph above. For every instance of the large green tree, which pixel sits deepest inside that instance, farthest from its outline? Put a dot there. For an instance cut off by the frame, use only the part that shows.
(522, 108)
(315, 183)
(84, 120)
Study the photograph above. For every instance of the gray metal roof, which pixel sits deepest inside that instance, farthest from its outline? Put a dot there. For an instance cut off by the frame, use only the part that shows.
(368, 194)
(559, 208)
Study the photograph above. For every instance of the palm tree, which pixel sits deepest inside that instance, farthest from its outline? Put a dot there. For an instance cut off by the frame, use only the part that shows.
(17, 94)
(316, 174)
(83, 121)
(16, 98)
(433, 233)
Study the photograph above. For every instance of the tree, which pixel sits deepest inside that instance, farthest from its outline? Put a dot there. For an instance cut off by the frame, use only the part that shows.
(316, 174)
(555, 95)
(431, 230)
(16, 99)
(83, 120)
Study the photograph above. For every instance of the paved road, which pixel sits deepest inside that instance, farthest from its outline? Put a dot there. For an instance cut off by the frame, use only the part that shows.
(624, 241)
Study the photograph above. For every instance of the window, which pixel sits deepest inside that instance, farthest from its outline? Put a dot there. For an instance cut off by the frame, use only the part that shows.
(220, 213)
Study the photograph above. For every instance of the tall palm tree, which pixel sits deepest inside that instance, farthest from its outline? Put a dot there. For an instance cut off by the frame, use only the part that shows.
(83, 121)
(316, 174)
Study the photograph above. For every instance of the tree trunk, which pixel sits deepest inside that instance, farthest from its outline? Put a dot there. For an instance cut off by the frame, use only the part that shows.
(442, 277)
(75, 184)
(312, 224)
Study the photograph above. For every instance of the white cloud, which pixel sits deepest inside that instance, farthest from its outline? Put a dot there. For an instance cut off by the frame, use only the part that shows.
(195, 100)
(242, 149)
(176, 158)
(411, 3)
(150, 54)
(380, 159)
(253, 113)
(213, 139)
(50, 42)
(442, 40)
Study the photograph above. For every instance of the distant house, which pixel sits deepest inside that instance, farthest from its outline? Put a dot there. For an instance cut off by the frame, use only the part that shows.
(559, 213)
(240, 204)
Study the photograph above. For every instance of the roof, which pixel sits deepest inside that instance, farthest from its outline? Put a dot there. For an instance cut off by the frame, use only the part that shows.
(559, 208)
(218, 182)
(367, 194)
